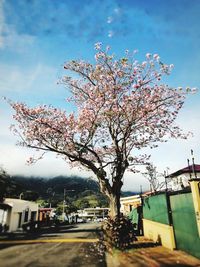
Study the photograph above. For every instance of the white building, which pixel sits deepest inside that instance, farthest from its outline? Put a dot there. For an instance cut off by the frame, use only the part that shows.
(129, 203)
(180, 179)
(15, 212)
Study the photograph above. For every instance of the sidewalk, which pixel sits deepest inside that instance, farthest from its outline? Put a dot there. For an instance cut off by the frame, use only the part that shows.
(147, 254)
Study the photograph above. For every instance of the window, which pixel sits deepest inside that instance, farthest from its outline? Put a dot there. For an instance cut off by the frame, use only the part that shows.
(26, 215)
(33, 215)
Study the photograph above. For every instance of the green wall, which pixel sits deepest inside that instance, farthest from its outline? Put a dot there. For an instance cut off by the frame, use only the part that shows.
(155, 209)
(133, 216)
(185, 225)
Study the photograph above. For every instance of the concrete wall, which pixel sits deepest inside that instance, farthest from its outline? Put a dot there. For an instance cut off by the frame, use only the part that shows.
(14, 221)
(159, 232)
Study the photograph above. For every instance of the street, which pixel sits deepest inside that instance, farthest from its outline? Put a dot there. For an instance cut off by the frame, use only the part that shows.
(77, 245)
(66, 246)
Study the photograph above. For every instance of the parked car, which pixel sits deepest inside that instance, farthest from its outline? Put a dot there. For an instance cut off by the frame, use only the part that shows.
(81, 220)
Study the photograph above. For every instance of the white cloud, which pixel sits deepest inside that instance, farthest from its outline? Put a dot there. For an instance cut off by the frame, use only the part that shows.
(14, 78)
(13, 159)
(9, 38)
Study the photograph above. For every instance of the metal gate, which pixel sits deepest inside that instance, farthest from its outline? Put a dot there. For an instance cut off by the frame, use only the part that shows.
(184, 223)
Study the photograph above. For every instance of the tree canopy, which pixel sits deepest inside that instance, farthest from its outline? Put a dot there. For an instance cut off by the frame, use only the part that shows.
(122, 107)
(6, 184)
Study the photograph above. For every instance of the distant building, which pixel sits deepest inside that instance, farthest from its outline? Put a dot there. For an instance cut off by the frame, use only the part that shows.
(15, 212)
(93, 213)
(129, 203)
(44, 214)
(180, 179)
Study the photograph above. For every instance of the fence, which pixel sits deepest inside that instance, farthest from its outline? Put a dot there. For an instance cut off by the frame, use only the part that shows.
(173, 219)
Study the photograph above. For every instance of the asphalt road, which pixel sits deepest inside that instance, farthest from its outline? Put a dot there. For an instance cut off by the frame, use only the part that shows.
(69, 246)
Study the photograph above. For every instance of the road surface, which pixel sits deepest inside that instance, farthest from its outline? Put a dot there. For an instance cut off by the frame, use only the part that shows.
(68, 246)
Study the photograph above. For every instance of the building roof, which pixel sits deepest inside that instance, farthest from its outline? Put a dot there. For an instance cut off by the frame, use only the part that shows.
(11, 201)
(45, 209)
(188, 169)
(134, 197)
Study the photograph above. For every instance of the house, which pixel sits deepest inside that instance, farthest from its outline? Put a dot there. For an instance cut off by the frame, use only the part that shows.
(15, 212)
(180, 179)
(129, 203)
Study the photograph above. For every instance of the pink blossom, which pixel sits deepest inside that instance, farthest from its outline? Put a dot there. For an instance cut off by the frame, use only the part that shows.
(148, 55)
(121, 108)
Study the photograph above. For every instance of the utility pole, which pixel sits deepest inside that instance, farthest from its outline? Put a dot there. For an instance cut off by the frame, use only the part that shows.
(64, 201)
(189, 168)
(165, 176)
(64, 205)
(193, 165)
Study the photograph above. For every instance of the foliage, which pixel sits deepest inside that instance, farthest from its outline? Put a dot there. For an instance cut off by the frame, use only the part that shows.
(68, 208)
(51, 191)
(122, 107)
(30, 195)
(82, 203)
(42, 203)
(47, 186)
(7, 185)
(118, 232)
(91, 200)
(3, 183)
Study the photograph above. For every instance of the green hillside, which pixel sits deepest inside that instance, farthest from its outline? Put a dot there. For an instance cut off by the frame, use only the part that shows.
(79, 192)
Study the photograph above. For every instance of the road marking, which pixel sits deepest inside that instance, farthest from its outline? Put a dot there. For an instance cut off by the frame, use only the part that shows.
(67, 240)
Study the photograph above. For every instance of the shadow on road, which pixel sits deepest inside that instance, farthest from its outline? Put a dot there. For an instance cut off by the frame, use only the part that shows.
(82, 254)
(42, 232)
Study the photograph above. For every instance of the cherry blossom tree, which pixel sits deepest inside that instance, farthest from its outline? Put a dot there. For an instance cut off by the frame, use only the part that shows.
(122, 107)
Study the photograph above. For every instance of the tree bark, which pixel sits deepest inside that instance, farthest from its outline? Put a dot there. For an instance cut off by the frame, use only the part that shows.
(113, 192)
(114, 203)
(113, 206)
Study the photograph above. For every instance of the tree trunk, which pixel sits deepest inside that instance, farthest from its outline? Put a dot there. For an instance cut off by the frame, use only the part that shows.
(114, 203)
(113, 193)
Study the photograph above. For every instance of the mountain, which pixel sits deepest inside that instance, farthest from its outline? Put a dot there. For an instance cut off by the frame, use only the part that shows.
(80, 192)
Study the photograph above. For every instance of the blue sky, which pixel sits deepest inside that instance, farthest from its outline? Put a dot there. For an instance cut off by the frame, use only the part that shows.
(38, 36)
